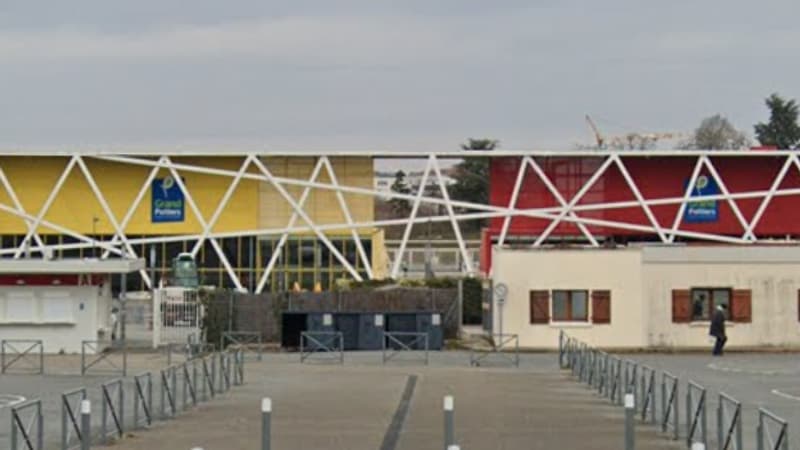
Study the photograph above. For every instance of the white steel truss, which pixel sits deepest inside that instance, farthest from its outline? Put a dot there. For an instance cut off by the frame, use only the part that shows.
(568, 210)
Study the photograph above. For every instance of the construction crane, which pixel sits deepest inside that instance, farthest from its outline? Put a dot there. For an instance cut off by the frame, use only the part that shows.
(629, 141)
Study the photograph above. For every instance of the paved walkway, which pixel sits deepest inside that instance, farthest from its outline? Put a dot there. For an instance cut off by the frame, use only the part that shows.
(352, 407)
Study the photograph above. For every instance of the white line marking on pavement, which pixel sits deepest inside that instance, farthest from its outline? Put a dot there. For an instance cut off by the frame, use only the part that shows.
(10, 400)
(785, 395)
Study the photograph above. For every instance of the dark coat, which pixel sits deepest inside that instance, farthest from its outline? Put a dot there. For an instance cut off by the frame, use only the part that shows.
(717, 324)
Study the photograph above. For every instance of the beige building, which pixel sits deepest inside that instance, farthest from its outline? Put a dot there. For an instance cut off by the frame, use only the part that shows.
(649, 296)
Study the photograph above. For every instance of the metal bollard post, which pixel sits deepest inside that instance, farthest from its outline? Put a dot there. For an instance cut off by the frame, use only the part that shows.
(630, 413)
(266, 425)
(698, 446)
(449, 422)
(454, 447)
(86, 424)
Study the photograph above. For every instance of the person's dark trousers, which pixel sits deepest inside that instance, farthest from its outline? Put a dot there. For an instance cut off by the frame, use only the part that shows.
(721, 340)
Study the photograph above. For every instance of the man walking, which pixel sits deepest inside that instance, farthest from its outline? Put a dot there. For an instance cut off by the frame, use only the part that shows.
(718, 330)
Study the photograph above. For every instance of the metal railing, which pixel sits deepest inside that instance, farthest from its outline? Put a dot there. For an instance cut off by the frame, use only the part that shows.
(670, 412)
(394, 343)
(647, 394)
(113, 407)
(168, 377)
(189, 384)
(243, 340)
(225, 370)
(630, 372)
(102, 355)
(143, 399)
(696, 426)
(501, 345)
(772, 432)
(12, 351)
(70, 417)
(27, 426)
(615, 391)
(238, 371)
(729, 423)
(207, 383)
(322, 345)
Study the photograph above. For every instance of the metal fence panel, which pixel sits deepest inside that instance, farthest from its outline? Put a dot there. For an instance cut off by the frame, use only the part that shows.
(696, 426)
(71, 417)
(243, 340)
(322, 345)
(113, 407)
(394, 343)
(168, 389)
(95, 353)
(772, 432)
(501, 345)
(729, 423)
(27, 426)
(143, 399)
(647, 394)
(17, 351)
(669, 404)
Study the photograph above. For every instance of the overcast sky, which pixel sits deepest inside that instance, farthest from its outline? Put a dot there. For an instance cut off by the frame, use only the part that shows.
(323, 74)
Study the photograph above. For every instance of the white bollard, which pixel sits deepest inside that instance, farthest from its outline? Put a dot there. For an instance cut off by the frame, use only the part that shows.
(86, 424)
(266, 425)
(449, 423)
(698, 446)
(630, 413)
(454, 447)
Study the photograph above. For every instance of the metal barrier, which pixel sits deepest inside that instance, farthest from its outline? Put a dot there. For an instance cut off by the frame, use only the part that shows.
(394, 343)
(114, 404)
(324, 343)
(647, 393)
(772, 432)
(696, 414)
(168, 388)
(224, 371)
(500, 346)
(143, 399)
(615, 393)
(19, 354)
(563, 353)
(602, 373)
(102, 355)
(70, 417)
(243, 340)
(27, 426)
(669, 404)
(208, 378)
(729, 423)
(189, 385)
(238, 370)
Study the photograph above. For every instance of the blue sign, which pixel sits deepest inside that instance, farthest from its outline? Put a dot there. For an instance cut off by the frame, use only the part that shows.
(702, 211)
(168, 202)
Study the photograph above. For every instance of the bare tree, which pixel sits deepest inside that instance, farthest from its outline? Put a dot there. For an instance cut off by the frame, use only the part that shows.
(716, 133)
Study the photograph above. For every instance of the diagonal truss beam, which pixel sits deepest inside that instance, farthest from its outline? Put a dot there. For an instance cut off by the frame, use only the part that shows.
(276, 253)
(687, 194)
(512, 202)
(17, 204)
(453, 221)
(320, 235)
(46, 206)
(639, 197)
(200, 220)
(773, 190)
(414, 209)
(731, 202)
(348, 217)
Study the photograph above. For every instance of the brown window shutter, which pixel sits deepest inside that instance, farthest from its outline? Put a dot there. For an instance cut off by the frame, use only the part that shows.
(540, 306)
(681, 306)
(601, 306)
(741, 308)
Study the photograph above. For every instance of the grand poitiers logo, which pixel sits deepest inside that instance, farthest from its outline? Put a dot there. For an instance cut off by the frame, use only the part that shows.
(167, 201)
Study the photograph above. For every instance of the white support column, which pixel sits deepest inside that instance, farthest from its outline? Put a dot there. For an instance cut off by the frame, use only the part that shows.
(512, 202)
(686, 196)
(639, 198)
(47, 203)
(407, 233)
(791, 159)
(17, 204)
(552, 188)
(736, 212)
(221, 206)
(314, 227)
(200, 220)
(565, 210)
(348, 217)
(449, 206)
(285, 234)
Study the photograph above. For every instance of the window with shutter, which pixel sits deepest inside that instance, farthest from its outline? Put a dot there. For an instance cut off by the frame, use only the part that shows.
(741, 305)
(681, 306)
(539, 307)
(601, 306)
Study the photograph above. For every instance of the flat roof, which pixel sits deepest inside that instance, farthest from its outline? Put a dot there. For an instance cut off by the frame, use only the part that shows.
(233, 151)
(69, 266)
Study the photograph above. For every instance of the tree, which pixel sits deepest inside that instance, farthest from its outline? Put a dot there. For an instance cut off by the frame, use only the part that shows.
(716, 133)
(472, 174)
(782, 130)
(400, 206)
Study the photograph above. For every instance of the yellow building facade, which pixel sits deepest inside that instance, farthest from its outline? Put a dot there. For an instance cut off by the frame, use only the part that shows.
(165, 210)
